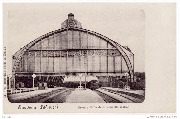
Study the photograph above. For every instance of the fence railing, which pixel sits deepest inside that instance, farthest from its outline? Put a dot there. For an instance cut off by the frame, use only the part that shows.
(21, 90)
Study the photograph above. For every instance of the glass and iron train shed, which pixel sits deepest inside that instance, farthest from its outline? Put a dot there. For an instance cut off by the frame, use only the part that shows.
(71, 50)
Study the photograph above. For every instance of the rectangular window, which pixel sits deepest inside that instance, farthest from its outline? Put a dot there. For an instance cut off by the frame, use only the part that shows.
(51, 64)
(118, 63)
(76, 40)
(103, 63)
(83, 40)
(69, 64)
(76, 64)
(96, 63)
(64, 41)
(69, 34)
(62, 65)
(51, 42)
(44, 64)
(56, 64)
(37, 64)
(110, 64)
(90, 62)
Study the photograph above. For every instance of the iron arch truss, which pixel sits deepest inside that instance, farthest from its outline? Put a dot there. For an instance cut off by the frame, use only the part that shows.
(73, 43)
(72, 50)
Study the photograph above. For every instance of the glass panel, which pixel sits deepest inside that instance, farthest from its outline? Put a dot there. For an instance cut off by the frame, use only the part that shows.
(31, 61)
(76, 64)
(83, 40)
(69, 64)
(76, 40)
(50, 64)
(45, 43)
(103, 63)
(25, 58)
(62, 64)
(118, 63)
(64, 43)
(43, 64)
(97, 63)
(103, 43)
(124, 66)
(56, 42)
(56, 64)
(95, 42)
(90, 41)
(83, 63)
(90, 68)
(37, 61)
(51, 42)
(38, 45)
(69, 36)
(110, 64)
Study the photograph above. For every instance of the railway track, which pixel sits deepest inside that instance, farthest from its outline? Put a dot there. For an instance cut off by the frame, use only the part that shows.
(58, 97)
(126, 93)
(122, 97)
(107, 98)
(40, 98)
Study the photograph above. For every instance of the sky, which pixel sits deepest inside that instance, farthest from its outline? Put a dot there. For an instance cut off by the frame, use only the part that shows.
(24, 23)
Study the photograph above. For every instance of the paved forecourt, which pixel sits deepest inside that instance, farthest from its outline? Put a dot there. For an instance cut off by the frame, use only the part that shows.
(84, 96)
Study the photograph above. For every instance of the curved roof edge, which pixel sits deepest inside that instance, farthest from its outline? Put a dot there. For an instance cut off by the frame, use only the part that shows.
(121, 49)
(22, 50)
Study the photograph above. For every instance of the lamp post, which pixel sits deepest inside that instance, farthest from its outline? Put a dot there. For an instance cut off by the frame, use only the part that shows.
(85, 81)
(80, 75)
(34, 76)
(15, 81)
(126, 75)
(9, 80)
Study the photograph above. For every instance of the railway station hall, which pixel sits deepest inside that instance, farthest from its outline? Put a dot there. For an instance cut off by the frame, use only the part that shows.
(71, 57)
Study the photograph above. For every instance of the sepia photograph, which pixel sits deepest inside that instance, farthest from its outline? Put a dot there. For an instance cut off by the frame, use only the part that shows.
(73, 64)
(84, 55)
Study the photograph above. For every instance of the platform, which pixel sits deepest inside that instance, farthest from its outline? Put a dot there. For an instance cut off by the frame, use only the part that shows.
(84, 96)
(25, 95)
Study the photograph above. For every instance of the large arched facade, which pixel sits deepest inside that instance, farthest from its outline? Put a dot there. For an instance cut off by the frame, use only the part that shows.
(71, 50)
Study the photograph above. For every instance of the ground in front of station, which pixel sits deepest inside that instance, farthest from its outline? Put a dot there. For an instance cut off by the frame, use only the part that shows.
(72, 95)
(84, 96)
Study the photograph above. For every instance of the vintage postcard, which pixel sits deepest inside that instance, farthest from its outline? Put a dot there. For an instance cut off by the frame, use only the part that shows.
(89, 57)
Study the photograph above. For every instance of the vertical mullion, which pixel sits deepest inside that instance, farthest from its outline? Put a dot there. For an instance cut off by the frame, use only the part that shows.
(73, 48)
(80, 51)
(133, 67)
(34, 61)
(79, 61)
(121, 63)
(53, 59)
(40, 54)
(60, 56)
(72, 39)
(87, 55)
(107, 57)
(73, 63)
(66, 60)
(28, 63)
(79, 40)
(67, 48)
(99, 55)
(54, 51)
(47, 66)
(114, 63)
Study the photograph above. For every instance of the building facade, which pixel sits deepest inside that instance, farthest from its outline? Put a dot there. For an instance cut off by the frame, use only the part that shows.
(70, 50)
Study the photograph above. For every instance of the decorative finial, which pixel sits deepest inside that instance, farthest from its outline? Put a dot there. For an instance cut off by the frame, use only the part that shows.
(70, 14)
(71, 22)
